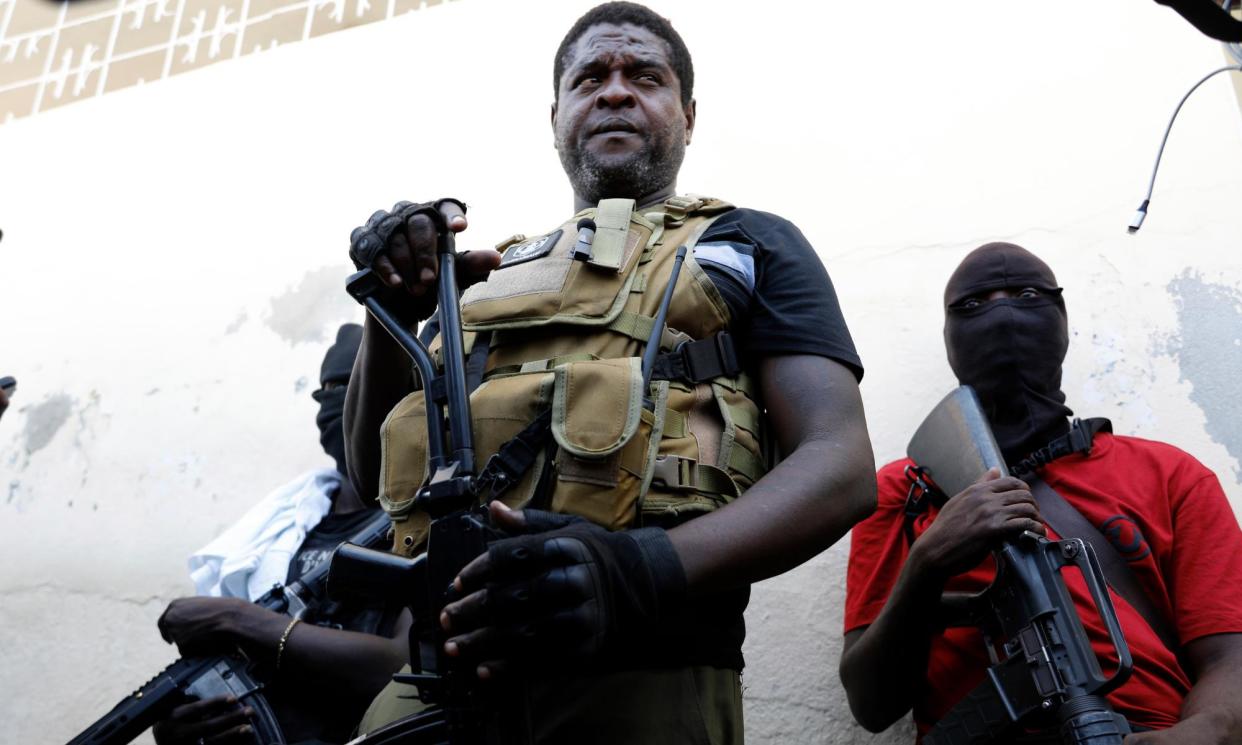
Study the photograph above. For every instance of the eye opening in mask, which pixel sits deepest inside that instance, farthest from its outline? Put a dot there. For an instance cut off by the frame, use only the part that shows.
(982, 297)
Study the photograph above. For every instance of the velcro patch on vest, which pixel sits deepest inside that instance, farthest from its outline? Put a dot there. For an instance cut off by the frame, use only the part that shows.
(529, 250)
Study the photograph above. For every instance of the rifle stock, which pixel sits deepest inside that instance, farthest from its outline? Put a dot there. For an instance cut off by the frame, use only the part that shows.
(1044, 673)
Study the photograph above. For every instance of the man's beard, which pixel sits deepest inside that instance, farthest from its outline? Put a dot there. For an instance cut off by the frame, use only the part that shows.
(644, 172)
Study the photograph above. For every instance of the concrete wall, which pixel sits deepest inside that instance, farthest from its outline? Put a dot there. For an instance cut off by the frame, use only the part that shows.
(172, 255)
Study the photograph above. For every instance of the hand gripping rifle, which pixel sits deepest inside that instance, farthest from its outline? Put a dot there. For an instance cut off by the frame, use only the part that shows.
(1044, 672)
(460, 713)
(207, 677)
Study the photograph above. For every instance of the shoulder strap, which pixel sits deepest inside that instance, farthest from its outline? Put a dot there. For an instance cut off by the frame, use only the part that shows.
(1077, 440)
(1070, 523)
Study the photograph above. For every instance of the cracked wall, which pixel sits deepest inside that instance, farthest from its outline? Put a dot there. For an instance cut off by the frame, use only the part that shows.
(198, 222)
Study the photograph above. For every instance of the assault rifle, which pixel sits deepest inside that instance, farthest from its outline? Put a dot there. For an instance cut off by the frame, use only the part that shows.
(207, 677)
(460, 712)
(1044, 673)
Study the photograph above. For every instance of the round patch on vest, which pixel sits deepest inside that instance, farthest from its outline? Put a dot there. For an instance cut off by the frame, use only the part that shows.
(530, 250)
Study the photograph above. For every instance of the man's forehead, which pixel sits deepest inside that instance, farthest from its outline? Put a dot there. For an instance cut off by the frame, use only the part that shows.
(607, 41)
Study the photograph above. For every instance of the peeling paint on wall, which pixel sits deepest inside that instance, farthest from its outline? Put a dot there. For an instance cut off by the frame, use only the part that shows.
(44, 420)
(319, 301)
(237, 323)
(1208, 350)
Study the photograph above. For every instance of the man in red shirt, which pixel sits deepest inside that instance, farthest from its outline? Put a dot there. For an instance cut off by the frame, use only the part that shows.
(1006, 335)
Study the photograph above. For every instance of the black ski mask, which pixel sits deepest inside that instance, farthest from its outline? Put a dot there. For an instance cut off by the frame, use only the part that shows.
(338, 363)
(1010, 350)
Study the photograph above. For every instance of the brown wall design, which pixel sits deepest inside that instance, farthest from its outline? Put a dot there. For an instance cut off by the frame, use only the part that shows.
(53, 53)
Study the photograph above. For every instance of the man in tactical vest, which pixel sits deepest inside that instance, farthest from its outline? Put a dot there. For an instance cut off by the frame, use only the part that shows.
(1156, 507)
(634, 612)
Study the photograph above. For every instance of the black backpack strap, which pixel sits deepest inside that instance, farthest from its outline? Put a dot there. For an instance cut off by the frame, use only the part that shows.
(1068, 522)
(1077, 440)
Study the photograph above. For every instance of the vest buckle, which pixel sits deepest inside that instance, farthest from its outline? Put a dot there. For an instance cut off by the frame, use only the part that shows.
(673, 472)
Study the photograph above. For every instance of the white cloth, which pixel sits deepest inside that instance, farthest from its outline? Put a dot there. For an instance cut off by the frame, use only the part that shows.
(250, 557)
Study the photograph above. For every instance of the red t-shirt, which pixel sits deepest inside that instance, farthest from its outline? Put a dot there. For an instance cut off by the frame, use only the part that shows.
(1163, 511)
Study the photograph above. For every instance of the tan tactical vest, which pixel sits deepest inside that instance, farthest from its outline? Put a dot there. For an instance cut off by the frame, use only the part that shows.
(568, 335)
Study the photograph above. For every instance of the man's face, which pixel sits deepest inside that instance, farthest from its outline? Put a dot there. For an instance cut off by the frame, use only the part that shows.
(620, 126)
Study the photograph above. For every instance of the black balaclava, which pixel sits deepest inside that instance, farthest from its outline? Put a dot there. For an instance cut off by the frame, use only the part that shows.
(1010, 350)
(338, 363)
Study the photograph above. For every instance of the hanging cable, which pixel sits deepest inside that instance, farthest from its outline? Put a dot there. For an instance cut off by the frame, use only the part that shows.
(1141, 214)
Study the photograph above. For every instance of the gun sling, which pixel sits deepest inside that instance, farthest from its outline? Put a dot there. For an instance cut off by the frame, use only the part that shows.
(1070, 523)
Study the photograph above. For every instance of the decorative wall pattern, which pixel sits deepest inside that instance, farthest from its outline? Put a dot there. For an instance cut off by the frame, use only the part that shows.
(53, 53)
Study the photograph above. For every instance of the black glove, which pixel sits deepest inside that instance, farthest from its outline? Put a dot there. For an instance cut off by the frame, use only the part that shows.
(369, 241)
(400, 247)
(579, 591)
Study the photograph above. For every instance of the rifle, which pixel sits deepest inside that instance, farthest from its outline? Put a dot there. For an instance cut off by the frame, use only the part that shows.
(460, 712)
(1043, 672)
(207, 677)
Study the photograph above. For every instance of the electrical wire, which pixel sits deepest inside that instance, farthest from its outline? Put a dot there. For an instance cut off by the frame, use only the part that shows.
(1141, 213)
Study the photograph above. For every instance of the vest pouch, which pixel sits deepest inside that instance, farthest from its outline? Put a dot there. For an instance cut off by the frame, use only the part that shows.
(403, 470)
(499, 408)
(602, 434)
(552, 287)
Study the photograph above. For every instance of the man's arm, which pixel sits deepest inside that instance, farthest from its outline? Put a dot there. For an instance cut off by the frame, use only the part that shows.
(1212, 711)
(382, 376)
(884, 664)
(813, 497)
(348, 661)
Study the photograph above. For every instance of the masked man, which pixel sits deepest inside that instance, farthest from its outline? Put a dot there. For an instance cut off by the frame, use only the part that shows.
(1006, 335)
(324, 669)
(683, 504)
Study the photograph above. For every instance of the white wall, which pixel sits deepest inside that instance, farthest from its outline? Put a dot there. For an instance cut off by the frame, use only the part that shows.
(172, 253)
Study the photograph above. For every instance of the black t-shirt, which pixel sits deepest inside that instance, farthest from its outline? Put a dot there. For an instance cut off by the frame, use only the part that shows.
(317, 548)
(780, 298)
